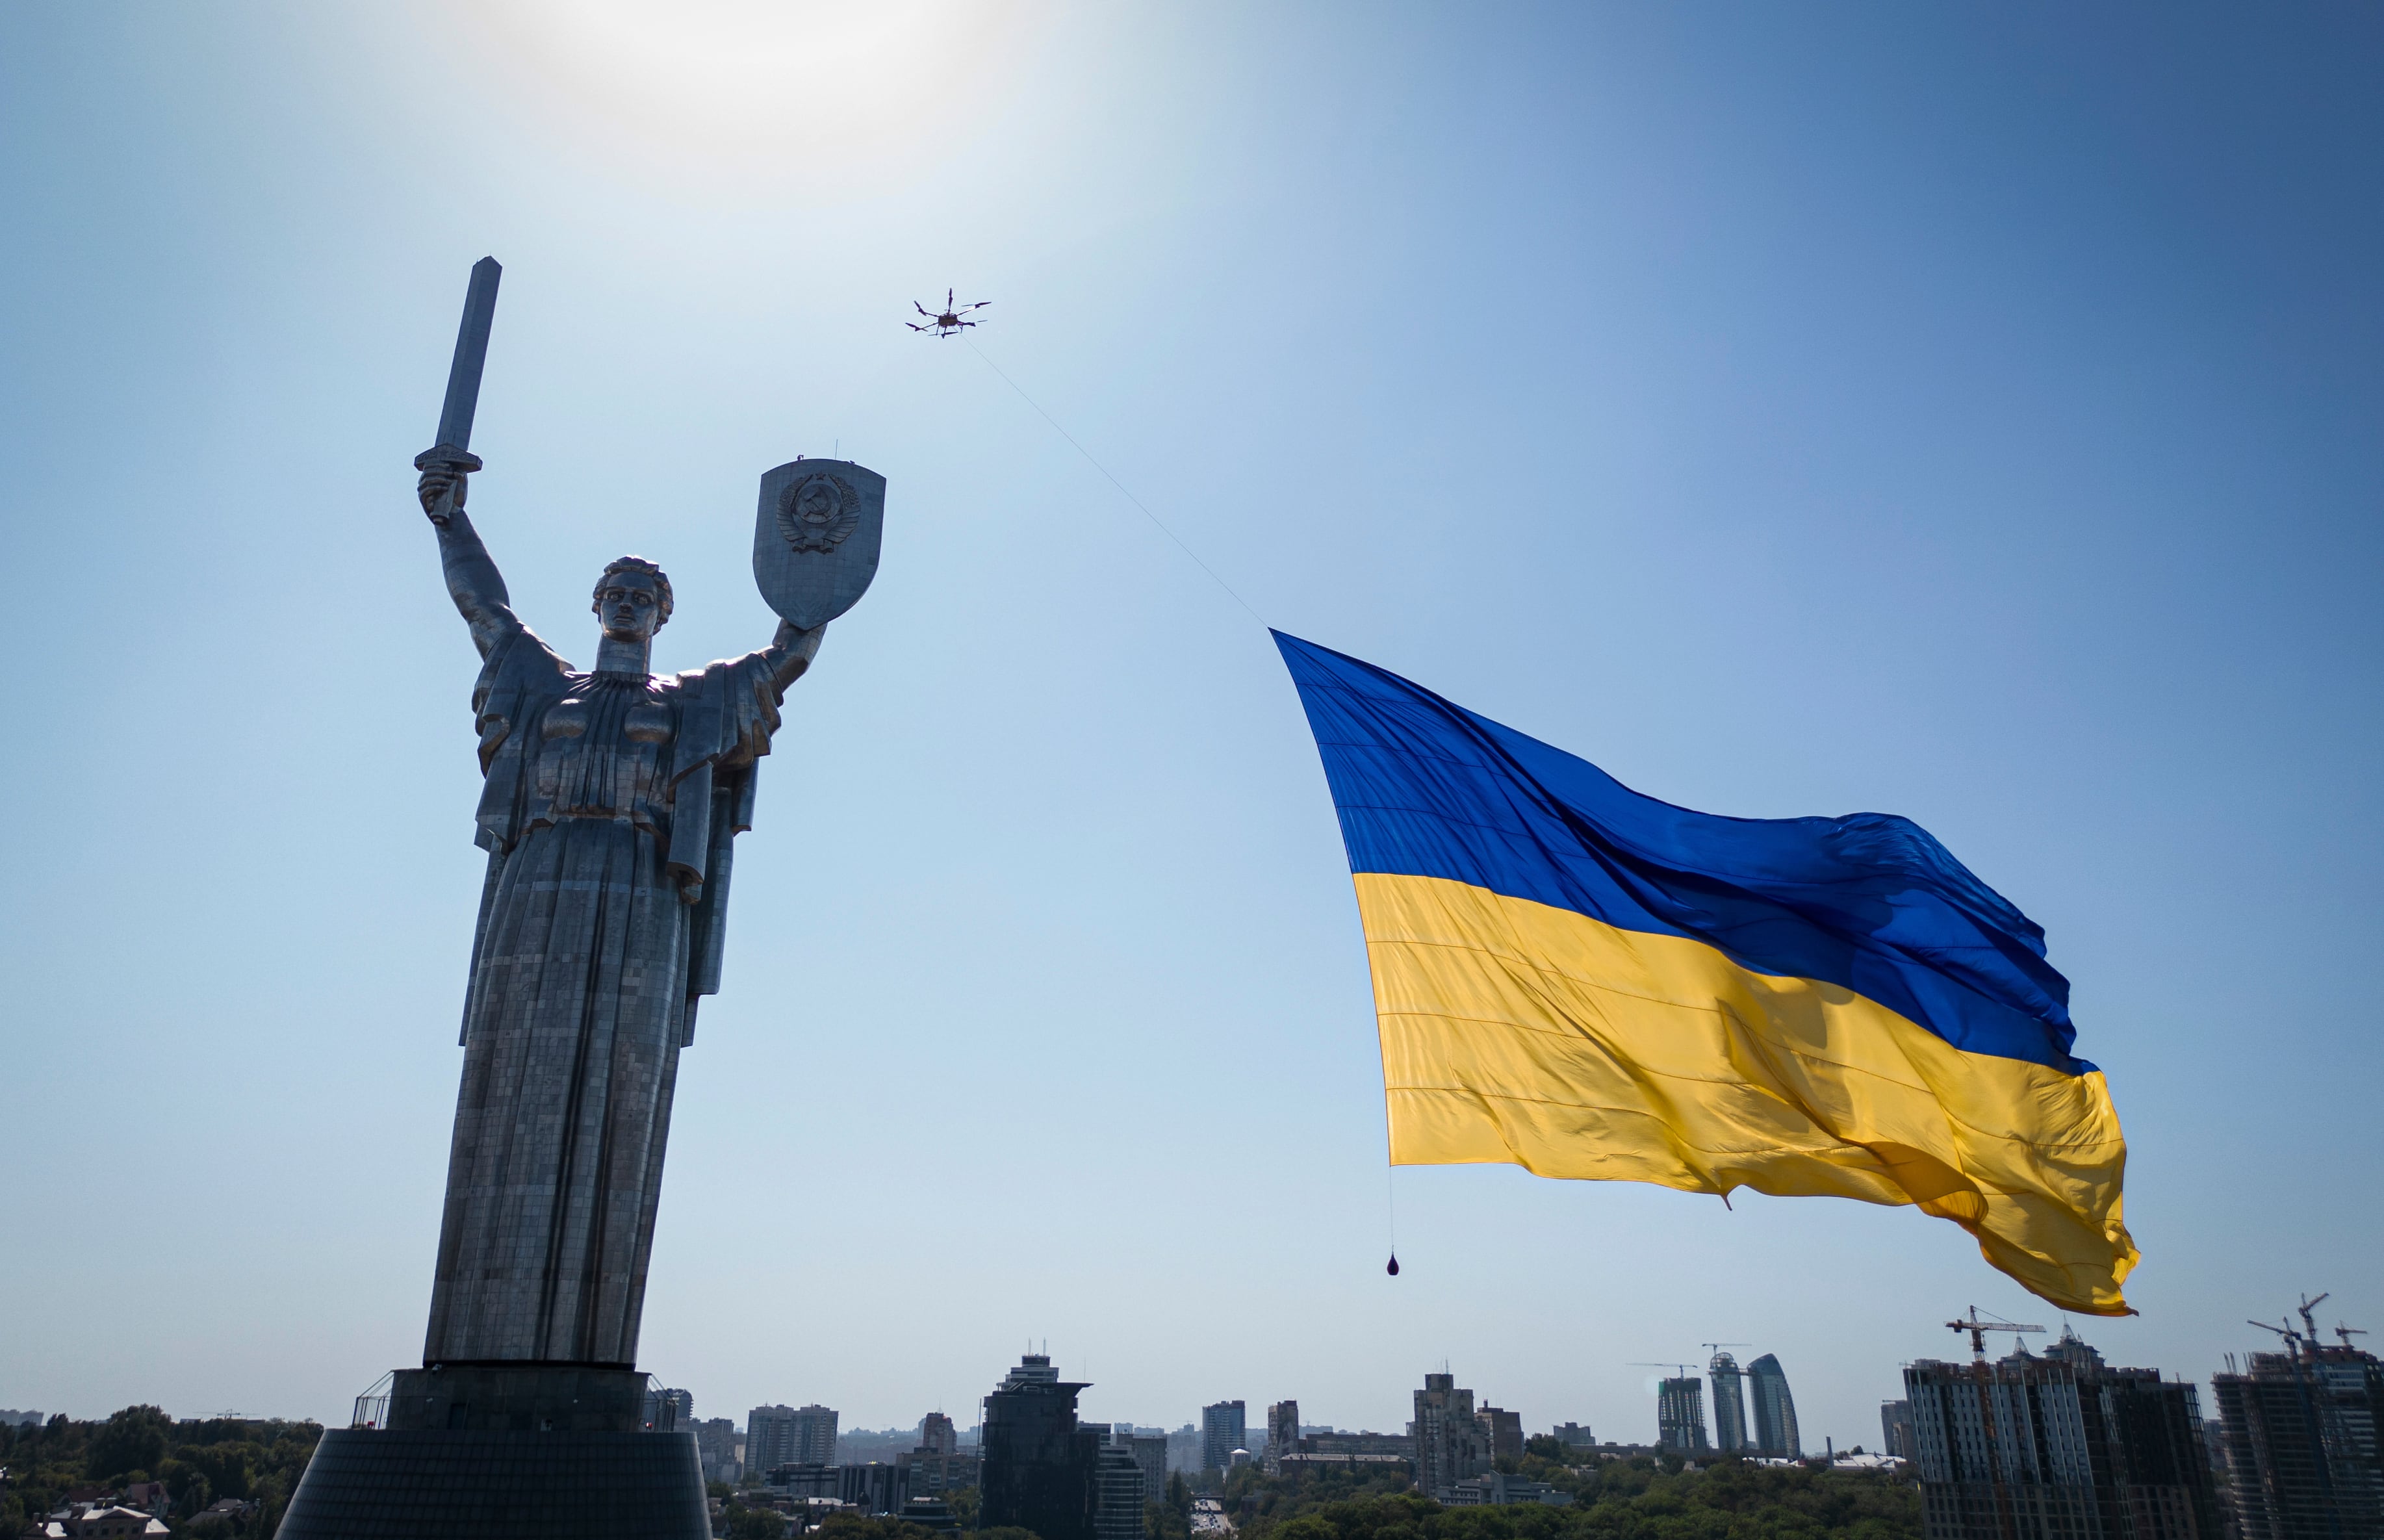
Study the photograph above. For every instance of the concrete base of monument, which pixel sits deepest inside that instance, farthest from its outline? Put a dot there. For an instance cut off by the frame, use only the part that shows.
(517, 1451)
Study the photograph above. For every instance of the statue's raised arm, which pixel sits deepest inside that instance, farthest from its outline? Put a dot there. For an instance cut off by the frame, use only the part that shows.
(473, 580)
(790, 652)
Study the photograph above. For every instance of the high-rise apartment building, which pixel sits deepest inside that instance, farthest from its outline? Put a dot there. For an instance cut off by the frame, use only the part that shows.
(1118, 1487)
(1896, 1428)
(770, 1439)
(936, 1466)
(1224, 1429)
(1505, 1431)
(1150, 1459)
(1040, 1468)
(814, 1435)
(778, 1435)
(715, 1446)
(1681, 1415)
(1283, 1434)
(1450, 1444)
(1775, 1410)
(2058, 1447)
(1730, 1403)
(2300, 1431)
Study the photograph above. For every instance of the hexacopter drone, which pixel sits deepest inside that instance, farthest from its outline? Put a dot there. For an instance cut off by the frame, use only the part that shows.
(949, 321)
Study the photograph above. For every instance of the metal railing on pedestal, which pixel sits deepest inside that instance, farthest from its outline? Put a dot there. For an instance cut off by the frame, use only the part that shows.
(372, 1406)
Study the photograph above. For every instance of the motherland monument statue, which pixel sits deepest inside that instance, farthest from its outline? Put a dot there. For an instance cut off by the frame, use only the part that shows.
(611, 801)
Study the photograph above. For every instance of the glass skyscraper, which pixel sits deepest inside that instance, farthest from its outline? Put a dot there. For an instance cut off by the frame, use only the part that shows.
(1775, 1410)
(1730, 1404)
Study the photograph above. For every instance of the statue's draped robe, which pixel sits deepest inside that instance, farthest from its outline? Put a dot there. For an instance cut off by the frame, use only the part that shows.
(610, 798)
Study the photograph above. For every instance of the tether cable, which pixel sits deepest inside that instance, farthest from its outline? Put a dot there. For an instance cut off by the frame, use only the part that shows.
(1157, 522)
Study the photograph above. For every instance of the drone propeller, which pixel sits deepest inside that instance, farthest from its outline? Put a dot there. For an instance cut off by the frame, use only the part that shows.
(922, 310)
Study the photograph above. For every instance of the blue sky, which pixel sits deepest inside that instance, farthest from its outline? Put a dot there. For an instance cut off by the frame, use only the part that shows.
(1963, 412)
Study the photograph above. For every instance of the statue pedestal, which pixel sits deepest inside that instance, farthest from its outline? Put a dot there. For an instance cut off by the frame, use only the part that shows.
(519, 1451)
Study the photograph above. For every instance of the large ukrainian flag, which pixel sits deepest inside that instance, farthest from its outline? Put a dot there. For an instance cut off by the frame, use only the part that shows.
(1586, 982)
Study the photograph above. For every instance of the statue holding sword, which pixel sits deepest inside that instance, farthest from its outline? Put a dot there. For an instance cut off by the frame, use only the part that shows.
(611, 797)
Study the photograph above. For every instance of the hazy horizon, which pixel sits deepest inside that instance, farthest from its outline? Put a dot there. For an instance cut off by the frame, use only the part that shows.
(1962, 412)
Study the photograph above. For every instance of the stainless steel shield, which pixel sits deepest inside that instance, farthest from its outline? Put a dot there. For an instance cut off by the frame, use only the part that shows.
(815, 538)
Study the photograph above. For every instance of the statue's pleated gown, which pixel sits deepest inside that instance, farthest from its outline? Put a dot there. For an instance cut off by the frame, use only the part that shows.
(587, 963)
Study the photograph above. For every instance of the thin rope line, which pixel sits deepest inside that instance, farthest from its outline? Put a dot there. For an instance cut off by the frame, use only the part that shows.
(1155, 519)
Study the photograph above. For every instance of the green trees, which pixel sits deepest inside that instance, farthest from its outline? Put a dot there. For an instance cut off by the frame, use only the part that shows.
(198, 1461)
(1633, 1499)
(132, 1441)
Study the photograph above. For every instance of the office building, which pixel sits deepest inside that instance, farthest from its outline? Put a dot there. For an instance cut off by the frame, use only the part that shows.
(1282, 1432)
(932, 1475)
(1896, 1428)
(1505, 1431)
(1730, 1404)
(2300, 1432)
(1040, 1468)
(1573, 1435)
(937, 1437)
(932, 1514)
(1681, 1415)
(1400, 1445)
(804, 1482)
(1775, 1410)
(1493, 1488)
(1450, 1444)
(877, 1487)
(1223, 1430)
(2058, 1447)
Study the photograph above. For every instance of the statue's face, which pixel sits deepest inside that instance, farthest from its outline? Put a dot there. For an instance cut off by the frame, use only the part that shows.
(628, 606)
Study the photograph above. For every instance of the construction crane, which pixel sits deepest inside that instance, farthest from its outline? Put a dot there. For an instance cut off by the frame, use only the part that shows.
(1716, 1347)
(2295, 1341)
(1685, 1372)
(1979, 1330)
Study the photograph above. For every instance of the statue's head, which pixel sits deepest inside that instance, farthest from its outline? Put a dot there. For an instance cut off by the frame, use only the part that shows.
(633, 599)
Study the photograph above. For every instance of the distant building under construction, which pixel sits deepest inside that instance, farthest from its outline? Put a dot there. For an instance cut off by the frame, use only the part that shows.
(2299, 1429)
(1681, 1415)
(2059, 1447)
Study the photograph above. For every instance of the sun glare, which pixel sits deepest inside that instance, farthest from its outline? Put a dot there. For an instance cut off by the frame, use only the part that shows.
(730, 87)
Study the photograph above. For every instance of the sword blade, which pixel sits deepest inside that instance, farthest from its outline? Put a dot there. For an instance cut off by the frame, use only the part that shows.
(471, 352)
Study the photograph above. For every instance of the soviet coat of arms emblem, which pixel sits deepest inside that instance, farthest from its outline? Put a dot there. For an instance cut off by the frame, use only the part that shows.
(815, 537)
(818, 512)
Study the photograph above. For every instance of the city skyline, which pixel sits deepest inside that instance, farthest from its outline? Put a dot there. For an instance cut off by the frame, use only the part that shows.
(1962, 413)
(822, 1428)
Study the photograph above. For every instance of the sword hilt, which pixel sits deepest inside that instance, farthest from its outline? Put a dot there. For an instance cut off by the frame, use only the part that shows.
(458, 463)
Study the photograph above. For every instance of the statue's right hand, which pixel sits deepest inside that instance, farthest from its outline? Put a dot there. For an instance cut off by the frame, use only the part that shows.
(433, 489)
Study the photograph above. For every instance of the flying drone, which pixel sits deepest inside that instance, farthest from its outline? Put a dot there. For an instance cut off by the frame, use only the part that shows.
(948, 322)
